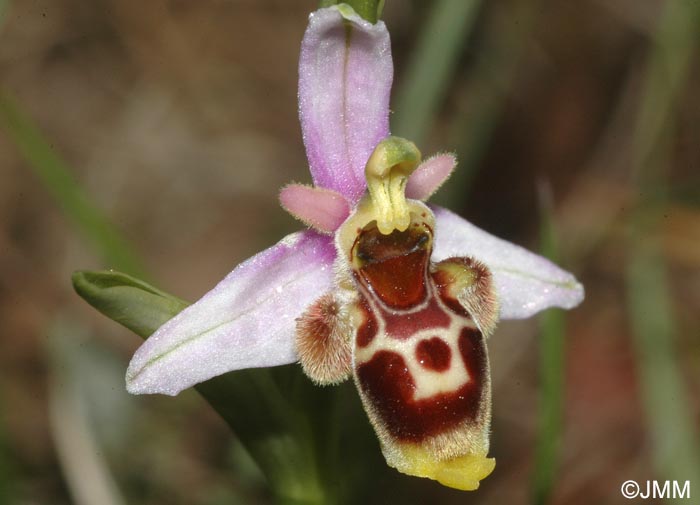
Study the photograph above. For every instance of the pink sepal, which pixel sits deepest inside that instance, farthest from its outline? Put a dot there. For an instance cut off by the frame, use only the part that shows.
(248, 320)
(345, 73)
(526, 283)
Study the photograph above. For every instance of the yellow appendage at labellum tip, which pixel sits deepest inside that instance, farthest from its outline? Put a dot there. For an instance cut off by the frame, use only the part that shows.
(463, 472)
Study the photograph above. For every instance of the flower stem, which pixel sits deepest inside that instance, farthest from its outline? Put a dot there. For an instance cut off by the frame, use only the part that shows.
(371, 10)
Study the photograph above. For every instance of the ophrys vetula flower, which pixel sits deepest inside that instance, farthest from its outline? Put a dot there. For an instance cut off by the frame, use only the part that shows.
(382, 288)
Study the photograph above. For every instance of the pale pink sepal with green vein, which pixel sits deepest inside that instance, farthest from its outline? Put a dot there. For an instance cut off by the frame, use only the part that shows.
(246, 321)
(345, 74)
(526, 282)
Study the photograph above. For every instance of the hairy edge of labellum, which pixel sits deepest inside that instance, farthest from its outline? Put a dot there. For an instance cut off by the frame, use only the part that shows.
(466, 286)
(322, 342)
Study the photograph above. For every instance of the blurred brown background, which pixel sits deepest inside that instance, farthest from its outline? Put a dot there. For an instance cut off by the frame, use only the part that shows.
(179, 120)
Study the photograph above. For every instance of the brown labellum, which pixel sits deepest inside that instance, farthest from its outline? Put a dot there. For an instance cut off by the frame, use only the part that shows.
(424, 374)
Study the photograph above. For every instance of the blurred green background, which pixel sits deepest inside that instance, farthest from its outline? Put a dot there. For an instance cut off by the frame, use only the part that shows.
(154, 137)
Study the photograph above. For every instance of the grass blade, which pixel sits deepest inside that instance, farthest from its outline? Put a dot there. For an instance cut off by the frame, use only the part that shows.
(3, 8)
(552, 355)
(55, 175)
(425, 82)
(672, 431)
(487, 85)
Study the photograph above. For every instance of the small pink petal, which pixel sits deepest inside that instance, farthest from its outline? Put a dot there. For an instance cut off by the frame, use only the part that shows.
(430, 175)
(345, 73)
(526, 283)
(246, 321)
(322, 209)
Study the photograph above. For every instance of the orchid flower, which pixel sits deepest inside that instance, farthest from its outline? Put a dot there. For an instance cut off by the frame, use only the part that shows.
(382, 288)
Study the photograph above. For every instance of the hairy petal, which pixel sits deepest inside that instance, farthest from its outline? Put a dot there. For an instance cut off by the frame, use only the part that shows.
(526, 283)
(345, 73)
(246, 321)
(322, 209)
(430, 175)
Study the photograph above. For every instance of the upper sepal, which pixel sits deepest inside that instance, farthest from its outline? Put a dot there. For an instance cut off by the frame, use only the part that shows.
(525, 282)
(345, 74)
(246, 321)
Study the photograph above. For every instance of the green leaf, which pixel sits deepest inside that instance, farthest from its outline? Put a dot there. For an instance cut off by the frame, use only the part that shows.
(129, 301)
(275, 430)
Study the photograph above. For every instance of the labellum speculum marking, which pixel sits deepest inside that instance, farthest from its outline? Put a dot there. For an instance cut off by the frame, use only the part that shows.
(411, 332)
